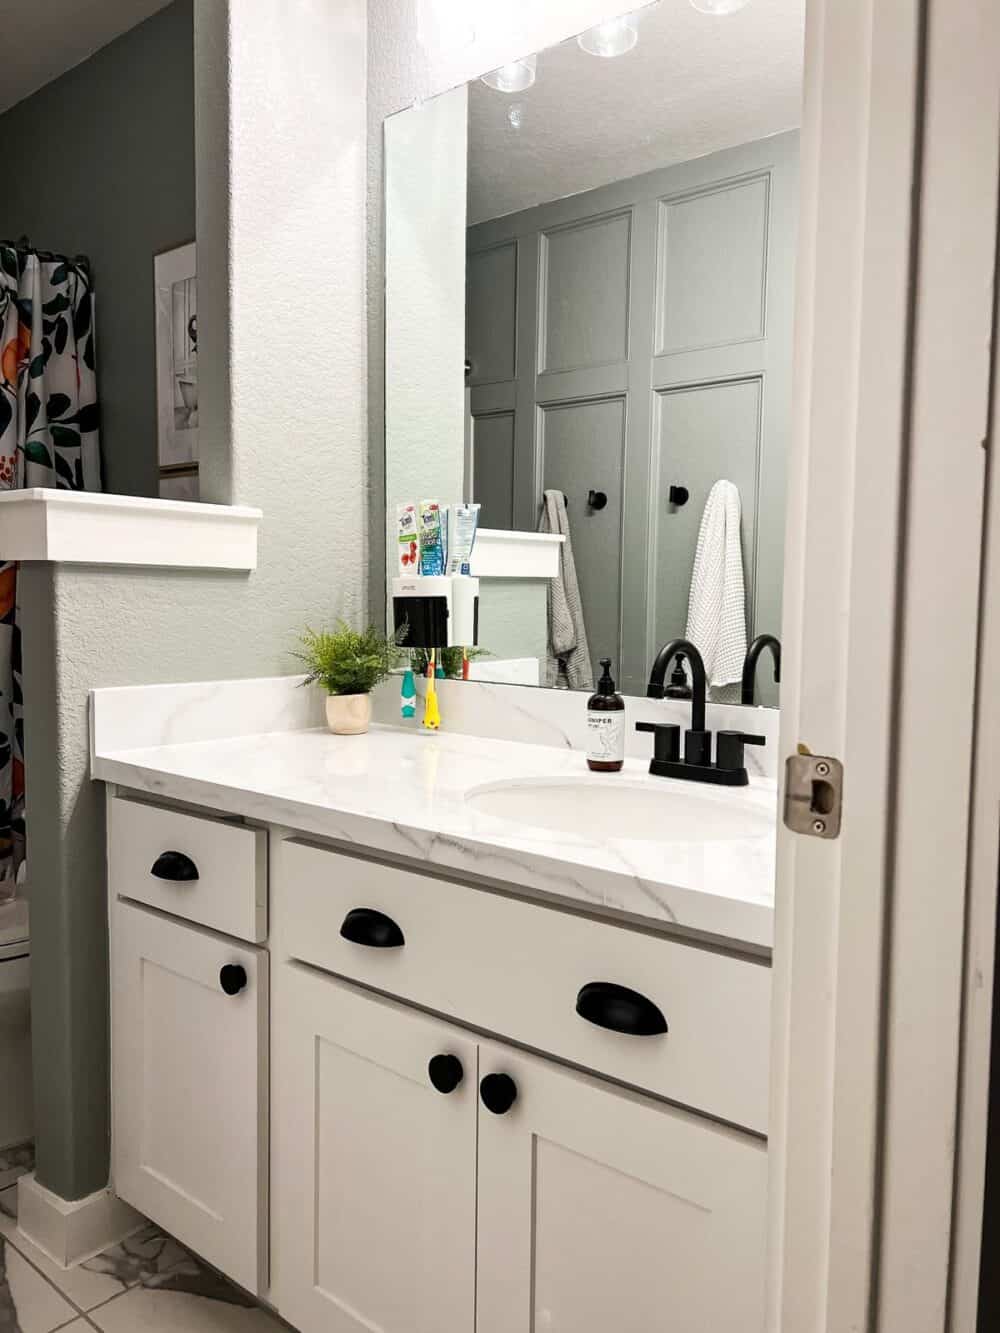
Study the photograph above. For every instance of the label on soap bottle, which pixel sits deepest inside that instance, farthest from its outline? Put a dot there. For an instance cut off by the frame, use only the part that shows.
(606, 736)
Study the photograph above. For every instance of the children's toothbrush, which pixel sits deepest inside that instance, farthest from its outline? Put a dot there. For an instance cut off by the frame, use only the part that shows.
(465, 664)
(408, 694)
(432, 715)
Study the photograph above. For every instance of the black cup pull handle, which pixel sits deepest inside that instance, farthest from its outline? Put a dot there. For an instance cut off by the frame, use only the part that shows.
(498, 1093)
(233, 978)
(374, 930)
(174, 866)
(619, 1010)
(445, 1072)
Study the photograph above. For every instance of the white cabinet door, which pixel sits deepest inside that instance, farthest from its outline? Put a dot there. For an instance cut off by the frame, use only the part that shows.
(375, 1173)
(601, 1210)
(189, 1052)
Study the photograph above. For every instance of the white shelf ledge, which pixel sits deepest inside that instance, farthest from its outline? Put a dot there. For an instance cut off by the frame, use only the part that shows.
(88, 528)
(499, 554)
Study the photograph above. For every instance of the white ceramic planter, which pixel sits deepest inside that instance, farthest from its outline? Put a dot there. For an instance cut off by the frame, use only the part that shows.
(348, 714)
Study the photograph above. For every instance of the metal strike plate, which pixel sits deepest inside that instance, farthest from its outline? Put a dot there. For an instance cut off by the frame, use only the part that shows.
(814, 788)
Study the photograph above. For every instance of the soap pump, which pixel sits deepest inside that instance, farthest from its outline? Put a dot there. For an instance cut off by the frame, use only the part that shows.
(605, 725)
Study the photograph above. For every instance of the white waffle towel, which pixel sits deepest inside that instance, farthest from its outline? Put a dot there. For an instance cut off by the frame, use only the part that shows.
(716, 623)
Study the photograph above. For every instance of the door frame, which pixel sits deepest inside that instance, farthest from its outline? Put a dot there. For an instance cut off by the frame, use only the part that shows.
(881, 621)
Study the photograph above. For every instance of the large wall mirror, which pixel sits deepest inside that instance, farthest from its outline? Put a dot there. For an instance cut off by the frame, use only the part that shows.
(590, 260)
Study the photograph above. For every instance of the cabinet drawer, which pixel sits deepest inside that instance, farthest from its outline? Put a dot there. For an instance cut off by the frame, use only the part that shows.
(517, 969)
(203, 870)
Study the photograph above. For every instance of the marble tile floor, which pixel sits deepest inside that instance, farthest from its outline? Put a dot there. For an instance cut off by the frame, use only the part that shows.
(146, 1284)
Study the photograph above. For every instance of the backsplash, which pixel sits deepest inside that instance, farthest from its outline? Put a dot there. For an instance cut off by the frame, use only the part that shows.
(559, 717)
(133, 717)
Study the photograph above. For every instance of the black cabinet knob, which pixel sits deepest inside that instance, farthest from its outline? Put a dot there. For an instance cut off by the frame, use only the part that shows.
(375, 930)
(597, 499)
(445, 1072)
(678, 495)
(498, 1093)
(174, 866)
(233, 978)
(619, 1010)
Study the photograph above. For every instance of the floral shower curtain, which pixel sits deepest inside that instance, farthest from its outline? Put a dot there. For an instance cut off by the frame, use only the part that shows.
(48, 437)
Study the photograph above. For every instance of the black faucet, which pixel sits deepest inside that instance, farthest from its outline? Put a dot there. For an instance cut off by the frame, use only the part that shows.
(728, 769)
(761, 642)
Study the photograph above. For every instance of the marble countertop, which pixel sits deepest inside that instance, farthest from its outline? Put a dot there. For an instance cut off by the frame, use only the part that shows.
(403, 793)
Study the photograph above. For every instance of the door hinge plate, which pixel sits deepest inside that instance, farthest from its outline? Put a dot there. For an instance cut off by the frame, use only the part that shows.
(814, 787)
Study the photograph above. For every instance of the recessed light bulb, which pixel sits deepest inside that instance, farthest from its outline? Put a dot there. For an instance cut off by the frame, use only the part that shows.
(609, 39)
(719, 7)
(512, 78)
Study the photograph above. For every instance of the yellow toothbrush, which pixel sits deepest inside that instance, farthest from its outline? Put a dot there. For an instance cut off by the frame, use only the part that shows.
(432, 714)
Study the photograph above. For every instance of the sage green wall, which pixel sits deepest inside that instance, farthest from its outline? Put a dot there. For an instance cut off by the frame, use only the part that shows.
(103, 165)
(291, 440)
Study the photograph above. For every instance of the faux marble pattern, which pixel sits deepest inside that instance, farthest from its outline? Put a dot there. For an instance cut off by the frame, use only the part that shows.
(559, 718)
(141, 716)
(404, 793)
(128, 716)
(145, 1284)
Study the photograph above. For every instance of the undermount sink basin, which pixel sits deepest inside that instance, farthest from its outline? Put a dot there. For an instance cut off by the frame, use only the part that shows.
(632, 810)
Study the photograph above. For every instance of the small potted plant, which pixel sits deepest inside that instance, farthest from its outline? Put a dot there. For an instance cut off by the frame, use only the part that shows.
(348, 663)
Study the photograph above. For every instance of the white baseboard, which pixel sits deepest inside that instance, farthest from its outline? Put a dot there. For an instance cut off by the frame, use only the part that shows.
(69, 1232)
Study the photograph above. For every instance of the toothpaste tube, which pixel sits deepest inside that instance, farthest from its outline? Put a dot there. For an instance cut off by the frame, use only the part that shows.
(431, 538)
(463, 521)
(407, 536)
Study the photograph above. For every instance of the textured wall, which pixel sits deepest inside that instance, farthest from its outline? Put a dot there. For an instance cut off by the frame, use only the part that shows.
(281, 132)
(103, 165)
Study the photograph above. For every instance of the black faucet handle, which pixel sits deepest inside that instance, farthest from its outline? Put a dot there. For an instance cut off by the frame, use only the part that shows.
(666, 739)
(653, 691)
(729, 748)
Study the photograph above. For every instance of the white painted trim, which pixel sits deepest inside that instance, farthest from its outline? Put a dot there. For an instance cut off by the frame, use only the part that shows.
(498, 554)
(885, 512)
(981, 911)
(70, 1232)
(84, 527)
(862, 79)
(934, 734)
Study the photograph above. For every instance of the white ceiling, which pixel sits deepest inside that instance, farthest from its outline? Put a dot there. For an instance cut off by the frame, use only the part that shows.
(41, 39)
(693, 84)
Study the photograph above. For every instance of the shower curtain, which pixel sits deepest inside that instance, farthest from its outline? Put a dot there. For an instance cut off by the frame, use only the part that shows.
(48, 437)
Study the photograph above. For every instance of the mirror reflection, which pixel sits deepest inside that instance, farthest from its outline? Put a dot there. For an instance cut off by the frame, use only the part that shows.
(603, 236)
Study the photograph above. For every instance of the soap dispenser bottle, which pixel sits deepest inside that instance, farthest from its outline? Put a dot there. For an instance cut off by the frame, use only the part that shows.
(605, 725)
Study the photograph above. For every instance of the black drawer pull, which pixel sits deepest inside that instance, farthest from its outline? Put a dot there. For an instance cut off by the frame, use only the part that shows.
(375, 930)
(445, 1072)
(498, 1093)
(174, 866)
(233, 978)
(619, 1010)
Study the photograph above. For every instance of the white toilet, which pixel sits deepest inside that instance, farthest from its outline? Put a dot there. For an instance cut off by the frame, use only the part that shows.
(16, 1118)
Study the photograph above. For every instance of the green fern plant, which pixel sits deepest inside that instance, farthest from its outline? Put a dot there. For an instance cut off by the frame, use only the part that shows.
(348, 661)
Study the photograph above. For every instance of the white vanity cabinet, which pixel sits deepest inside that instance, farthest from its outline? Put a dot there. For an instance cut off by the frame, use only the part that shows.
(189, 1011)
(391, 1102)
(599, 1209)
(375, 1169)
(525, 1196)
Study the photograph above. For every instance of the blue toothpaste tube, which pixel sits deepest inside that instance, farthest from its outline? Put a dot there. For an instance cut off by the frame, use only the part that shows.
(431, 538)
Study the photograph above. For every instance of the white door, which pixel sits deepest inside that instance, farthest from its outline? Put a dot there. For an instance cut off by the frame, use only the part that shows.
(600, 1210)
(375, 1177)
(887, 470)
(189, 1015)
